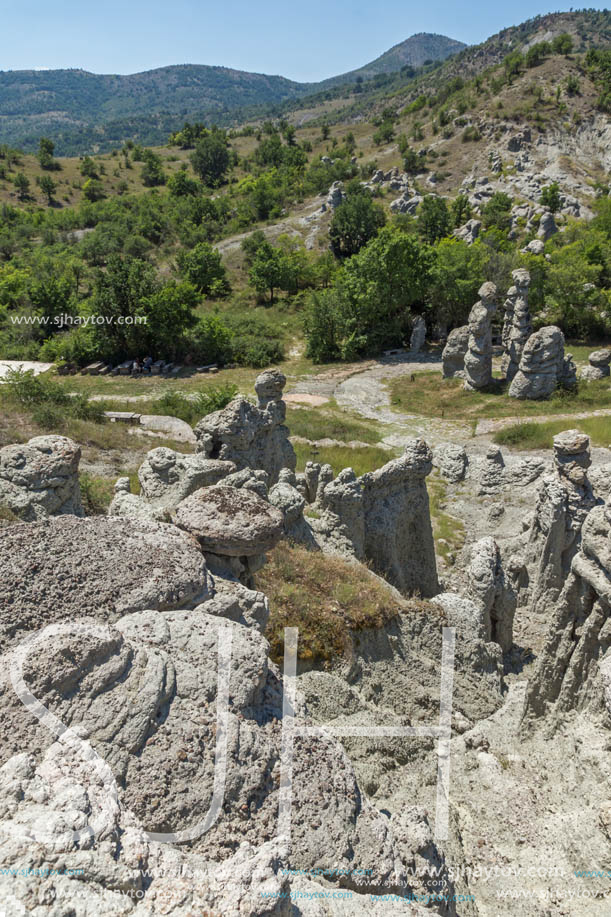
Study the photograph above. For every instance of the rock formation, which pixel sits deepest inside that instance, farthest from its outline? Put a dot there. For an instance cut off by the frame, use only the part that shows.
(521, 328)
(469, 232)
(598, 367)
(251, 436)
(547, 226)
(478, 358)
(418, 335)
(453, 355)
(398, 535)
(509, 306)
(542, 366)
(565, 498)
(40, 479)
(489, 588)
(451, 460)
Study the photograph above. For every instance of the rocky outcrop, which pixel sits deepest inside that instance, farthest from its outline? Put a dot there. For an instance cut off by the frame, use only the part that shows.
(521, 327)
(166, 477)
(478, 358)
(234, 527)
(451, 461)
(573, 672)
(598, 367)
(418, 336)
(251, 436)
(453, 355)
(102, 568)
(547, 226)
(564, 499)
(398, 535)
(469, 232)
(542, 367)
(489, 588)
(340, 527)
(40, 478)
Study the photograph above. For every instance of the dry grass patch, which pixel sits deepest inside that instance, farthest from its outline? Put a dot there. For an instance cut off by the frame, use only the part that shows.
(326, 598)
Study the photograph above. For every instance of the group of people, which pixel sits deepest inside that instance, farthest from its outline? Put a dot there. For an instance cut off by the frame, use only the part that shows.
(142, 366)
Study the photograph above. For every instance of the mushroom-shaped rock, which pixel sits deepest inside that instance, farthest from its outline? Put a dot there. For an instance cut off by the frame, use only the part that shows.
(230, 521)
(39, 479)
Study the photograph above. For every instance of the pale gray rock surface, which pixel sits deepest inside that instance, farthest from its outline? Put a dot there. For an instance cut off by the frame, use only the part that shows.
(598, 367)
(469, 232)
(451, 461)
(40, 478)
(478, 358)
(251, 436)
(398, 535)
(418, 336)
(230, 521)
(340, 528)
(521, 326)
(96, 568)
(541, 366)
(547, 226)
(489, 587)
(453, 355)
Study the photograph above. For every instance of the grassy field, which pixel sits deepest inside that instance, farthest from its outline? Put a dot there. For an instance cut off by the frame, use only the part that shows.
(326, 598)
(329, 422)
(532, 435)
(432, 396)
(367, 458)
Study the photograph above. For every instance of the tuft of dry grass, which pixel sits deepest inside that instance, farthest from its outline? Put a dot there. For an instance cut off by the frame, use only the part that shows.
(326, 598)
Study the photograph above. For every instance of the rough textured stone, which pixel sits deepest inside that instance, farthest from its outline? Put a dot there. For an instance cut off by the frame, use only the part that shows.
(100, 567)
(598, 366)
(418, 335)
(478, 358)
(340, 528)
(547, 226)
(521, 326)
(398, 535)
(469, 232)
(40, 479)
(451, 460)
(564, 499)
(230, 521)
(488, 587)
(542, 365)
(167, 477)
(248, 435)
(453, 355)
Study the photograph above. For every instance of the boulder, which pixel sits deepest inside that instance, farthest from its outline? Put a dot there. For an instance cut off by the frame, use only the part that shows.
(469, 232)
(490, 589)
(335, 195)
(230, 521)
(598, 367)
(535, 247)
(478, 358)
(453, 355)
(40, 478)
(67, 568)
(547, 226)
(541, 366)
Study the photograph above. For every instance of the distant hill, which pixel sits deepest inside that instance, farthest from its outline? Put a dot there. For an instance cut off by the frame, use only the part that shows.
(413, 52)
(84, 111)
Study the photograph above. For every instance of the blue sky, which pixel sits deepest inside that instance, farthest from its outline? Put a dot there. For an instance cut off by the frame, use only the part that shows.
(305, 41)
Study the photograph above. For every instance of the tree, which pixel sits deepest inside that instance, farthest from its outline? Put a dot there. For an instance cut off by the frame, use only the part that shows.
(513, 64)
(93, 189)
(461, 210)
(210, 159)
(181, 185)
(496, 214)
(550, 197)
(22, 184)
(88, 168)
(355, 221)
(433, 218)
(271, 270)
(457, 273)
(536, 53)
(152, 173)
(562, 44)
(48, 187)
(46, 148)
(414, 162)
(203, 267)
(324, 132)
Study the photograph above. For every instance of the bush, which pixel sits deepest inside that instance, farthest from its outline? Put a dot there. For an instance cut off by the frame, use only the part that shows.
(47, 400)
(192, 409)
(203, 267)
